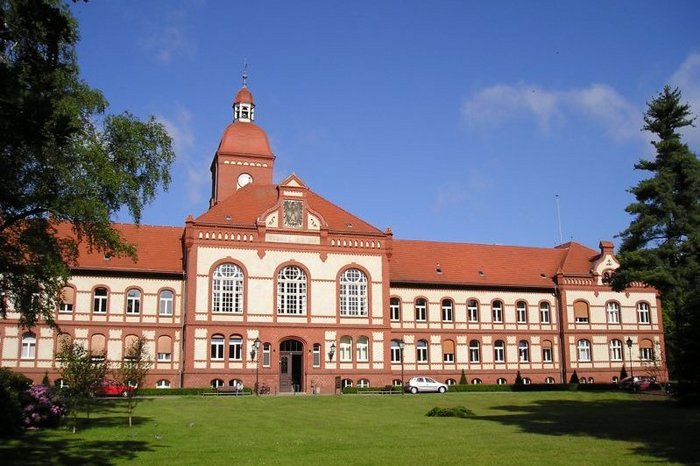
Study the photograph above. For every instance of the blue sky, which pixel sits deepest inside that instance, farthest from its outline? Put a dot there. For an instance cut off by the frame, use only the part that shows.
(446, 120)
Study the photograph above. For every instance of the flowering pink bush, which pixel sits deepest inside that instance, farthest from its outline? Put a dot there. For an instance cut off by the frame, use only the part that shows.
(42, 407)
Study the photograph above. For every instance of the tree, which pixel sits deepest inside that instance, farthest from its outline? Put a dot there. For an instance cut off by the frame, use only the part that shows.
(81, 371)
(63, 160)
(463, 378)
(133, 371)
(661, 246)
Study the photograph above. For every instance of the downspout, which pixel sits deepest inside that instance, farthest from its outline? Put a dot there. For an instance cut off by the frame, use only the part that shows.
(560, 316)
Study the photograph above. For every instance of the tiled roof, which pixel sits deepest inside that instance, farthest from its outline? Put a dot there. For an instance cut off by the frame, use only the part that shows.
(242, 137)
(244, 95)
(484, 265)
(159, 249)
(247, 204)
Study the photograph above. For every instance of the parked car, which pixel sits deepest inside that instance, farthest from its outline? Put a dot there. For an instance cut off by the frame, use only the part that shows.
(425, 384)
(113, 388)
(639, 383)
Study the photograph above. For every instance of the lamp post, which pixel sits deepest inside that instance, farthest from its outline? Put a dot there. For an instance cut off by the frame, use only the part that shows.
(629, 347)
(256, 348)
(402, 344)
(331, 352)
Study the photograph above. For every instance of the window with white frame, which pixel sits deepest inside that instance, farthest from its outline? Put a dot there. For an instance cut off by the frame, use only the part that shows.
(353, 293)
(581, 312)
(549, 380)
(394, 309)
(545, 316)
(501, 381)
(346, 383)
(547, 351)
(162, 383)
(164, 348)
(291, 291)
(497, 311)
(395, 351)
(422, 351)
(474, 351)
(67, 300)
(227, 289)
(345, 353)
(165, 303)
(521, 312)
(421, 310)
(643, 313)
(363, 383)
(28, 346)
(473, 310)
(448, 351)
(447, 307)
(527, 381)
(267, 350)
(317, 355)
(646, 350)
(217, 348)
(362, 349)
(216, 383)
(613, 312)
(615, 350)
(476, 382)
(235, 348)
(99, 300)
(523, 351)
(499, 351)
(584, 350)
(133, 301)
(615, 379)
(164, 357)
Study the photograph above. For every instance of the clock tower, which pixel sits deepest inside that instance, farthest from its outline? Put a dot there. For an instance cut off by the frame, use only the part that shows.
(243, 156)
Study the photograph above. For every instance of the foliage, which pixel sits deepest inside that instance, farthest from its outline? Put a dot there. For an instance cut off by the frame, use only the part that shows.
(82, 372)
(132, 371)
(42, 407)
(574, 378)
(456, 411)
(661, 246)
(64, 163)
(463, 378)
(12, 385)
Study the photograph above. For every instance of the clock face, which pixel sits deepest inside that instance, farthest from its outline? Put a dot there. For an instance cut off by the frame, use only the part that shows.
(293, 211)
(244, 179)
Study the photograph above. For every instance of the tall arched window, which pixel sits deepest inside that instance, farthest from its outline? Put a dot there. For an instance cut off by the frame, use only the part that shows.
(395, 350)
(521, 312)
(544, 313)
(581, 312)
(362, 348)
(28, 346)
(422, 351)
(291, 291)
(447, 307)
(130, 342)
(165, 348)
(235, 348)
(497, 311)
(613, 312)
(473, 310)
(646, 350)
(474, 351)
(421, 310)
(353, 293)
(345, 349)
(165, 303)
(643, 315)
(217, 348)
(99, 305)
(615, 350)
(133, 301)
(499, 351)
(394, 309)
(584, 350)
(547, 353)
(67, 299)
(448, 351)
(227, 289)
(523, 351)
(98, 347)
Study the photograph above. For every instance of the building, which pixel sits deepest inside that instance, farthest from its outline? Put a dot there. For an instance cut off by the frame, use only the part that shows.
(273, 283)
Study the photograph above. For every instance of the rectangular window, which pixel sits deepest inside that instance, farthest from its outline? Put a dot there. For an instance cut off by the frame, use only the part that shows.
(646, 354)
(164, 357)
(317, 355)
(65, 308)
(266, 354)
(546, 354)
(448, 358)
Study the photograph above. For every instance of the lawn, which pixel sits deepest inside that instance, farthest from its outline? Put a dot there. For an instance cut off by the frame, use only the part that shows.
(507, 428)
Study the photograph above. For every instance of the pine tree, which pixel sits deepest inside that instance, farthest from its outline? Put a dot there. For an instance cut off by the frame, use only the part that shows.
(661, 246)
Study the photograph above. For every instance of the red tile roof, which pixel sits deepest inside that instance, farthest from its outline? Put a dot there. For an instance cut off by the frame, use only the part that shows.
(485, 265)
(244, 95)
(246, 205)
(242, 137)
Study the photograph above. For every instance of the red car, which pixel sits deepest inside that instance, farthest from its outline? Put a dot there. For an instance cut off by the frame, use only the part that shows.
(113, 388)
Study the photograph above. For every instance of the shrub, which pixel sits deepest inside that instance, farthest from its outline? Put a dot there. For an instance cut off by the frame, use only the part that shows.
(463, 378)
(574, 378)
(41, 407)
(12, 385)
(456, 411)
(518, 379)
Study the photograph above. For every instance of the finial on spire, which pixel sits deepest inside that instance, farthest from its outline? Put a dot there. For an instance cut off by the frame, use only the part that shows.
(245, 73)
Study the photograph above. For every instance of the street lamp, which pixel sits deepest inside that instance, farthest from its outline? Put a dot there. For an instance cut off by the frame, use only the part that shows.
(331, 352)
(402, 344)
(629, 346)
(256, 347)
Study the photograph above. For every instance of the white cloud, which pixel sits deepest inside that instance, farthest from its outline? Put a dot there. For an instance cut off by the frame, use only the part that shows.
(467, 190)
(687, 79)
(169, 40)
(600, 102)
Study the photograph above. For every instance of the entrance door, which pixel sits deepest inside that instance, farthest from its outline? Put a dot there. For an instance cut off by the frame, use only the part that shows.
(291, 366)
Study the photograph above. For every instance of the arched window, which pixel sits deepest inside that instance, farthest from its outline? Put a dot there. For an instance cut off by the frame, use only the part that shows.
(63, 341)
(549, 380)
(363, 383)
(67, 300)
(162, 383)
(545, 316)
(362, 349)
(291, 291)
(476, 382)
(447, 307)
(646, 350)
(451, 382)
(353, 293)
(584, 350)
(502, 381)
(547, 354)
(615, 350)
(216, 383)
(473, 310)
(527, 381)
(523, 351)
(643, 315)
(615, 379)
(448, 351)
(422, 351)
(165, 303)
(28, 346)
(499, 351)
(613, 312)
(581, 312)
(227, 289)
(394, 309)
(521, 312)
(133, 301)
(130, 342)
(421, 310)
(99, 300)
(347, 383)
(395, 352)
(345, 349)
(474, 351)
(497, 311)
(165, 348)
(217, 348)
(235, 348)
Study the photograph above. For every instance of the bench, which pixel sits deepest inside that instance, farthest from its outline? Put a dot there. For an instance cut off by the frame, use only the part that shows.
(226, 390)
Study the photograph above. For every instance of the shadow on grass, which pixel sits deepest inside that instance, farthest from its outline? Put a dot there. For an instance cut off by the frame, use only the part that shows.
(664, 430)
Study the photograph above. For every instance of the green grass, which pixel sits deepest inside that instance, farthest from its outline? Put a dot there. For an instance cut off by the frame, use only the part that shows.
(507, 428)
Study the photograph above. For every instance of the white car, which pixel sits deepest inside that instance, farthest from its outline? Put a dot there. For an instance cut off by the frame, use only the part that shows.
(425, 384)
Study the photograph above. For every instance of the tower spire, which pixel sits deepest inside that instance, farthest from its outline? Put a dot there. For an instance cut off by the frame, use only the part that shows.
(245, 73)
